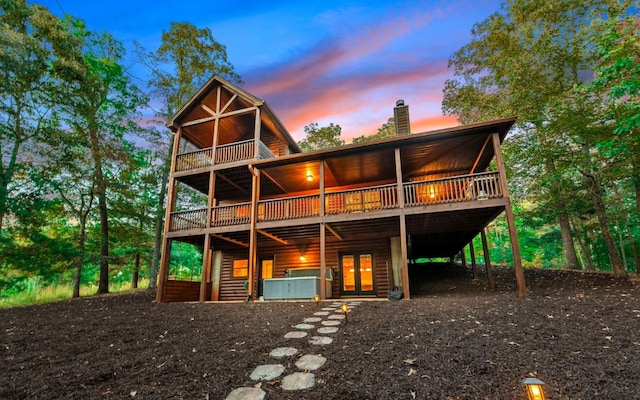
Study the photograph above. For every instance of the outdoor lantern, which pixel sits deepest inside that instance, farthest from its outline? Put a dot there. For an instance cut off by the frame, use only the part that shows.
(345, 309)
(303, 258)
(316, 298)
(534, 388)
(309, 177)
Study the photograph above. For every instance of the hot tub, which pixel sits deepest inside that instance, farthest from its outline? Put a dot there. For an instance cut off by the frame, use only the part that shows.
(299, 284)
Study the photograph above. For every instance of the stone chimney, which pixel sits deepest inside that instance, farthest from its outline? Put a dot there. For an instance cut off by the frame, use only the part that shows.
(401, 118)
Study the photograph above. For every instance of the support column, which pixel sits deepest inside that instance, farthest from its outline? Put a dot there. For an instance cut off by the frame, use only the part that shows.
(253, 234)
(206, 268)
(257, 135)
(487, 260)
(166, 243)
(513, 233)
(323, 237)
(405, 265)
(463, 256)
(473, 260)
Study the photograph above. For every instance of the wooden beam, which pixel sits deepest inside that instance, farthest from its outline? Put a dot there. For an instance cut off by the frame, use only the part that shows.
(399, 183)
(472, 253)
(323, 263)
(207, 119)
(230, 182)
(256, 134)
(253, 234)
(208, 110)
(333, 231)
(322, 188)
(487, 260)
(239, 243)
(274, 181)
(206, 268)
(405, 264)
(228, 103)
(484, 146)
(271, 236)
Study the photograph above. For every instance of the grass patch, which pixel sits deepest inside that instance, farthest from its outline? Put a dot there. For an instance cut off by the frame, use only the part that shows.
(56, 292)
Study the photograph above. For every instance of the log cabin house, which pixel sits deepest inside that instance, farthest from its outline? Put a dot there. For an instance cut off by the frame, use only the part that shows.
(276, 223)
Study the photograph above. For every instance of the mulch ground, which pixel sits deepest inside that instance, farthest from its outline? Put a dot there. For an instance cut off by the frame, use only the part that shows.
(577, 332)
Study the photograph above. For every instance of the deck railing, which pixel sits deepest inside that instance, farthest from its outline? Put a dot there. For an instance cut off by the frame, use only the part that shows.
(448, 190)
(225, 154)
(234, 214)
(185, 220)
(194, 159)
(289, 208)
(451, 190)
(362, 200)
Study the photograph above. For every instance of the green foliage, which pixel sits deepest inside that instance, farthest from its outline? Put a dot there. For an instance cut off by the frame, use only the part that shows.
(388, 129)
(318, 138)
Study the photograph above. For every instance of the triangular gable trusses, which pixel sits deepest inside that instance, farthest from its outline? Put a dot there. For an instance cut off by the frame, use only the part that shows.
(227, 93)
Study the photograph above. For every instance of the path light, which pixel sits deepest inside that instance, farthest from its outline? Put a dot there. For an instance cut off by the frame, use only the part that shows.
(316, 298)
(345, 309)
(534, 388)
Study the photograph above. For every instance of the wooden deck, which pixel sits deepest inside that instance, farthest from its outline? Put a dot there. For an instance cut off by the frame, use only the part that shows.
(225, 154)
(374, 199)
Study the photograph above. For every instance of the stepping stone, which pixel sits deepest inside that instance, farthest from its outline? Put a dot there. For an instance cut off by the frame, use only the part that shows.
(355, 303)
(336, 304)
(247, 393)
(328, 329)
(322, 313)
(267, 372)
(304, 326)
(330, 323)
(310, 362)
(298, 381)
(320, 340)
(312, 319)
(282, 352)
(339, 316)
(295, 335)
(328, 309)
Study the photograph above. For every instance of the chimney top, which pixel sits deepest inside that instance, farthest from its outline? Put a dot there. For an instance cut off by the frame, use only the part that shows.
(401, 118)
(399, 103)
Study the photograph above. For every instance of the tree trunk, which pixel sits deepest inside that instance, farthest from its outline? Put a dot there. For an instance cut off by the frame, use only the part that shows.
(588, 264)
(136, 271)
(563, 219)
(80, 259)
(101, 194)
(593, 186)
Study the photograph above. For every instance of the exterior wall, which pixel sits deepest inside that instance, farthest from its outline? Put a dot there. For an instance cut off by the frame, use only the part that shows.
(232, 288)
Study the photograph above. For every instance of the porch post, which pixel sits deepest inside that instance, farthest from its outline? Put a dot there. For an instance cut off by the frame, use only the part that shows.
(171, 198)
(206, 267)
(405, 265)
(323, 238)
(487, 260)
(463, 256)
(472, 253)
(253, 234)
(256, 144)
(513, 234)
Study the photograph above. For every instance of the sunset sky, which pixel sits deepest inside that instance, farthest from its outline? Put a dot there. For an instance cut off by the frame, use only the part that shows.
(343, 62)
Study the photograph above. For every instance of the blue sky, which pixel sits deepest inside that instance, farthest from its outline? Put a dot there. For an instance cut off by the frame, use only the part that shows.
(344, 62)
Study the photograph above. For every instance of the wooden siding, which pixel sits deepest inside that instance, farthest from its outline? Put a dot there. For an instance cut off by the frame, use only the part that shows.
(232, 288)
(178, 291)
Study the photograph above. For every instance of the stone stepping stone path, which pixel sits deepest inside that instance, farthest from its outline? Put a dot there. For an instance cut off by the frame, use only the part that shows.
(308, 362)
(247, 393)
(327, 329)
(283, 352)
(298, 381)
(267, 372)
(311, 362)
(295, 335)
(320, 340)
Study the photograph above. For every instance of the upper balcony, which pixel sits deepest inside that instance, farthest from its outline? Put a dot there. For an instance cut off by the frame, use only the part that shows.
(225, 154)
(371, 200)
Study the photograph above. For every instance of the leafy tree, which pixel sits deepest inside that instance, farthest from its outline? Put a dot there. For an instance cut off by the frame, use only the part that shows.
(388, 129)
(35, 47)
(186, 59)
(321, 137)
(99, 111)
(525, 61)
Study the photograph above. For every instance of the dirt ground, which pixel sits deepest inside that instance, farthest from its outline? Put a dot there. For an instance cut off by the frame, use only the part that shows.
(577, 332)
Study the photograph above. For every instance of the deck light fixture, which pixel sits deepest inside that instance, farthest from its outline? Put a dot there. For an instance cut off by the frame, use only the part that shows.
(302, 257)
(316, 298)
(534, 388)
(309, 177)
(345, 309)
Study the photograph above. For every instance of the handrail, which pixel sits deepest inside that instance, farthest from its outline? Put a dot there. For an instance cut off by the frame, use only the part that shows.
(289, 208)
(224, 154)
(361, 200)
(194, 159)
(481, 186)
(234, 214)
(185, 220)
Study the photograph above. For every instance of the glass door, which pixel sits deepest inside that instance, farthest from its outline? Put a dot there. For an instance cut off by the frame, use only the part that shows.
(357, 274)
(265, 272)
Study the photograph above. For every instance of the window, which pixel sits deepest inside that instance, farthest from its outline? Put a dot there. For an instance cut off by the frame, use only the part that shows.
(240, 269)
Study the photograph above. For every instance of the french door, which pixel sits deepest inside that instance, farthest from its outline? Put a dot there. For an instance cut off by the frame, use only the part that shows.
(357, 274)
